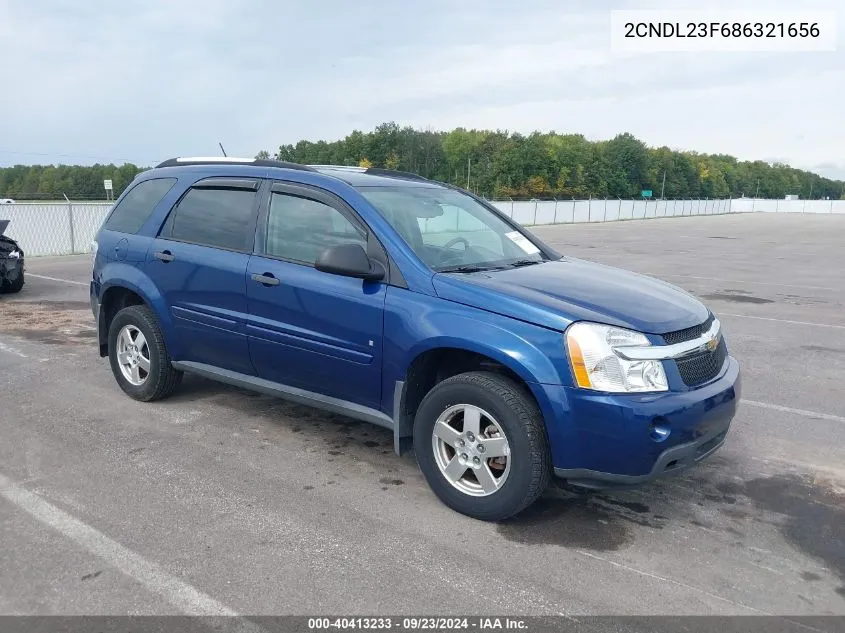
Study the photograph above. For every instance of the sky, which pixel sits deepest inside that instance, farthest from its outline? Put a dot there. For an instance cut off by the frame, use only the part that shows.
(144, 80)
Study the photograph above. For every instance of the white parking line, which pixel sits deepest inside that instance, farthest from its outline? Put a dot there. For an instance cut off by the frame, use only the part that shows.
(804, 412)
(178, 593)
(11, 350)
(671, 581)
(66, 281)
(748, 316)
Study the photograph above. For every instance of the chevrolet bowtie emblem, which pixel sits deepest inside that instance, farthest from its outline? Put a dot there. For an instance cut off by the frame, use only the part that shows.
(712, 344)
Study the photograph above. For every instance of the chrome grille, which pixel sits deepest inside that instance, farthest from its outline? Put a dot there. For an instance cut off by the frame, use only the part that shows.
(702, 367)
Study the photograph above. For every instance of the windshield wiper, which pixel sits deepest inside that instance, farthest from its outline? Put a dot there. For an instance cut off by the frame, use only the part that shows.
(472, 268)
(467, 269)
(525, 262)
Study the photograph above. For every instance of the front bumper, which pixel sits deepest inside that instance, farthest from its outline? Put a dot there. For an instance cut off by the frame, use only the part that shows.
(11, 269)
(604, 440)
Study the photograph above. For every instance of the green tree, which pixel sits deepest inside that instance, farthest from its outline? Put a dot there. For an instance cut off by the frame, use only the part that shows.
(491, 163)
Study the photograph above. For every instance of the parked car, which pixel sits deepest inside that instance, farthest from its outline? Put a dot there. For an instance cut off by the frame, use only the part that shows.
(11, 262)
(416, 306)
(6, 201)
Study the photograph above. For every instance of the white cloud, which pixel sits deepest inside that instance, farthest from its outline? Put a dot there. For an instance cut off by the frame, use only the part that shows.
(152, 79)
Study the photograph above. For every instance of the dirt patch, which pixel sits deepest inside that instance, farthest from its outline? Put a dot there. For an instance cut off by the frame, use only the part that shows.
(820, 348)
(725, 296)
(50, 322)
(814, 515)
(577, 522)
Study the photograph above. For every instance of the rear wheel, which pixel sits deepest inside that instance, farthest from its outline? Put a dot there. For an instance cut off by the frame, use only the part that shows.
(481, 445)
(138, 356)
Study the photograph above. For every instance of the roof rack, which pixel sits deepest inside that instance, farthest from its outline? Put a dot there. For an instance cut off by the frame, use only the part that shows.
(231, 160)
(373, 171)
(354, 168)
(264, 162)
(393, 173)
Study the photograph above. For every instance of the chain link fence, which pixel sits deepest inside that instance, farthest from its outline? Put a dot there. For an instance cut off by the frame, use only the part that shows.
(69, 228)
(54, 228)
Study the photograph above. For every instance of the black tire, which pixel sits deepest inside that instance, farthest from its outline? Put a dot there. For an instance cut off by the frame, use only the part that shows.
(14, 287)
(520, 419)
(162, 379)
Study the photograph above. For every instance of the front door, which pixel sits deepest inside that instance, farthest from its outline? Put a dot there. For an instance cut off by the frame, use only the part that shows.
(310, 329)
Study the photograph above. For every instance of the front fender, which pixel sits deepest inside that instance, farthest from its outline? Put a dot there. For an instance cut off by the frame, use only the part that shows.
(521, 356)
(415, 323)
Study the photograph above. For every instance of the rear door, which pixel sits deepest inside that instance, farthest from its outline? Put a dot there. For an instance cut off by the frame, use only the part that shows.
(310, 329)
(198, 262)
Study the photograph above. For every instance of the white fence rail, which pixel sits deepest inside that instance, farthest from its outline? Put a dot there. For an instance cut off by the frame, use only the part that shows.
(613, 209)
(69, 228)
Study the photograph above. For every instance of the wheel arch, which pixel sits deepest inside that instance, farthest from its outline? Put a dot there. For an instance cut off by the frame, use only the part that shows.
(121, 291)
(443, 359)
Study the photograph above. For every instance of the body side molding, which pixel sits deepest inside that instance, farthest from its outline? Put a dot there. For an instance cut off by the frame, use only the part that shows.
(253, 383)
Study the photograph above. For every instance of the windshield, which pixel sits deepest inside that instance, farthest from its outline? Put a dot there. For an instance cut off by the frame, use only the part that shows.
(450, 231)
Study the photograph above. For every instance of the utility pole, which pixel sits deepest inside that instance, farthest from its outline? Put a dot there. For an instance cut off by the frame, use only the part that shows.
(811, 190)
(469, 160)
(663, 188)
(757, 194)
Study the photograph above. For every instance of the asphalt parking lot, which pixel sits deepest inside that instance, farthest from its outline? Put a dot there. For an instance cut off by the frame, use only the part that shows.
(221, 501)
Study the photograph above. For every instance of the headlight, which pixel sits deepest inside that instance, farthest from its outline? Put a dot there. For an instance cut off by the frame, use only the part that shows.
(597, 366)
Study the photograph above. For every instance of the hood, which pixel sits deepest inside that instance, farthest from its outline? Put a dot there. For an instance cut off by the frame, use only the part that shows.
(554, 294)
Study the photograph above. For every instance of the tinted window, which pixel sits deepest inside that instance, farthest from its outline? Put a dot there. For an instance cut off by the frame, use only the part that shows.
(131, 212)
(300, 229)
(214, 217)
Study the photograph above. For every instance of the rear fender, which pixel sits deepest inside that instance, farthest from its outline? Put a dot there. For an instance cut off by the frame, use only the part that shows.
(119, 275)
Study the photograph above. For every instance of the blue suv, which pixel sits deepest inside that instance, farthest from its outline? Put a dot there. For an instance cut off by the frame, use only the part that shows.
(416, 306)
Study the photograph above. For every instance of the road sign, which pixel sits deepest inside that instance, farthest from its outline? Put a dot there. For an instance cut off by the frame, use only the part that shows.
(646, 193)
(107, 185)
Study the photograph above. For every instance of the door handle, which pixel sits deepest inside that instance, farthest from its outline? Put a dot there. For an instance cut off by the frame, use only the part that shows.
(164, 256)
(267, 279)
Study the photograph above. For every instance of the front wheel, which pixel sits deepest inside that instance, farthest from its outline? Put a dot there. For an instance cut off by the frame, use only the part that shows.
(481, 445)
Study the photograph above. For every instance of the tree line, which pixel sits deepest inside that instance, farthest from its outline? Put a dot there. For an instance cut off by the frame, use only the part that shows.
(53, 182)
(499, 164)
(494, 164)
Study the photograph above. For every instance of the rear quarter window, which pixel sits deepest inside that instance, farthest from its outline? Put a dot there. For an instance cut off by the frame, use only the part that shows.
(130, 213)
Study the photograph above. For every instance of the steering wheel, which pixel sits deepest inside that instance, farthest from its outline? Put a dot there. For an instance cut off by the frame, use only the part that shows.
(449, 254)
(454, 241)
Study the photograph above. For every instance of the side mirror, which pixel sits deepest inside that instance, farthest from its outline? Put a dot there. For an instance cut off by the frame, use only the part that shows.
(349, 260)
